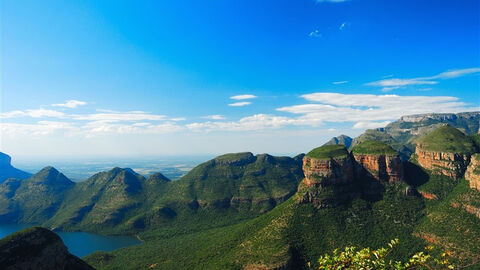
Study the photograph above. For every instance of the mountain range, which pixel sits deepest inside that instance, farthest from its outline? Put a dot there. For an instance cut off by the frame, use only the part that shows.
(418, 180)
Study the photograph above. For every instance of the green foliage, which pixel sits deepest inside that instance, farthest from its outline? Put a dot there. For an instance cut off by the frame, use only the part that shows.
(447, 139)
(328, 151)
(367, 258)
(374, 148)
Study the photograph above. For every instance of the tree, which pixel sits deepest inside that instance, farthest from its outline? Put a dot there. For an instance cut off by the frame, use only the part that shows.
(376, 259)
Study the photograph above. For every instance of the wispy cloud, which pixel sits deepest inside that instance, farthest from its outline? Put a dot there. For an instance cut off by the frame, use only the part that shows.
(119, 116)
(70, 104)
(240, 104)
(394, 83)
(315, 33)
(243, 97)
(214, 117)
(340, 82)
(36, 113)
(343, 26)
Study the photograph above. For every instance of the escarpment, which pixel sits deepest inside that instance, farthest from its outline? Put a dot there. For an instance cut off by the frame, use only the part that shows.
(445, 151)
(328, 165)
(379, 161)
(472, 175)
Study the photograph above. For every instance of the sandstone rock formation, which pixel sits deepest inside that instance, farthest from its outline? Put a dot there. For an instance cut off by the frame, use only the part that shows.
(379, 160)
(37, 248)
(381, 167)
(445, 151)
(473, 172)
(329, 169)
(443, 163)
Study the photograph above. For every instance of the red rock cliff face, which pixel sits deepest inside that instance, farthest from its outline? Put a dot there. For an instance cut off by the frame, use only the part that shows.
(473, 172)
(381, 167)
(443, 163)
(328, 172)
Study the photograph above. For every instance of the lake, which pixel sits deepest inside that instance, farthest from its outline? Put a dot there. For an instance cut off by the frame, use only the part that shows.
(80, 244)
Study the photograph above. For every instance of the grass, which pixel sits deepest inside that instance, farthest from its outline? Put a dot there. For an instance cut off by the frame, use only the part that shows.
(447, 139)
(328, 152)
(374, 148)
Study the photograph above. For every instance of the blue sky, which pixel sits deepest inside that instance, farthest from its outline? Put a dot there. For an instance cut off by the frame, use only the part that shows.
(124, 78)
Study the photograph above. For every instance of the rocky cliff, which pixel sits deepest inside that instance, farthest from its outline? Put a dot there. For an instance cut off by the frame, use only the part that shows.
(37, 248)
(473, 172)
(449, 164)
(8, 171)
(378, 160)
(328, 165)
(445, 151)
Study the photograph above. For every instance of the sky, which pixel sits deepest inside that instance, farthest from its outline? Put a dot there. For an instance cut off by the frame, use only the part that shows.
(146, 78)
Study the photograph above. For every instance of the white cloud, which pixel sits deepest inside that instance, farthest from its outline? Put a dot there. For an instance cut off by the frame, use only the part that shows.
(240, 104)
(119, 116)
(315, 33)
(37, 113)
(254, 122)
(343, 26)
(70, 104)
(215, 117)
(336, 107)
(178, 119)
(39, 128)
(243, 97)
(394, 83)
(340, 82)
(369, 125)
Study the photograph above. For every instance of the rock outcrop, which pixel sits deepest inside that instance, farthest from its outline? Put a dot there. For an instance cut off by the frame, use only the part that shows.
(334, 166)
(443, 163)
(472, 175)
(37, 248)
(445, 151)
(379, 161)
(8, 171)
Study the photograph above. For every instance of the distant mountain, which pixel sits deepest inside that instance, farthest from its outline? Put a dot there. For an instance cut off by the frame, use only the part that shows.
(402, 133)
(228, 188)
(8, 171)
(34, 199)
(342, 139)
(37, 248)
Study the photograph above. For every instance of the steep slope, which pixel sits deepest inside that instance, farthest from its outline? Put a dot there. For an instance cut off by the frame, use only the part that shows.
(446, 151)
(379, 160)
(224, 190)
(8, 171)
(37, 248)
(35, 199)
(342, 139)
(106, 200)
(401, 134)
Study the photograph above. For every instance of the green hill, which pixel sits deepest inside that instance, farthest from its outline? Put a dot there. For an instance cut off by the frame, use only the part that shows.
(374, 148)
(35, 199)
(447, 139)
(328, 152)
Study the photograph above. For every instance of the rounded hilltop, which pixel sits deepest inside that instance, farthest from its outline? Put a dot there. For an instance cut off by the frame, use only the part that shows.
(447, 139)
(328, 152)
(372, 147)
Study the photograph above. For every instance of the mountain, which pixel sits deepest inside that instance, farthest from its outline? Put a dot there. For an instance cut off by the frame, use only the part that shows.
(225, 190)
(106, 200)
(364, 197)
(34, 199)
(37, 248)
(401, 134)
(342, 139)
(8, 171)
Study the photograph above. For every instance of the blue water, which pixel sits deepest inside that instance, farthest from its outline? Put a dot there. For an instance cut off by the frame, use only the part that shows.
(80, 243)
